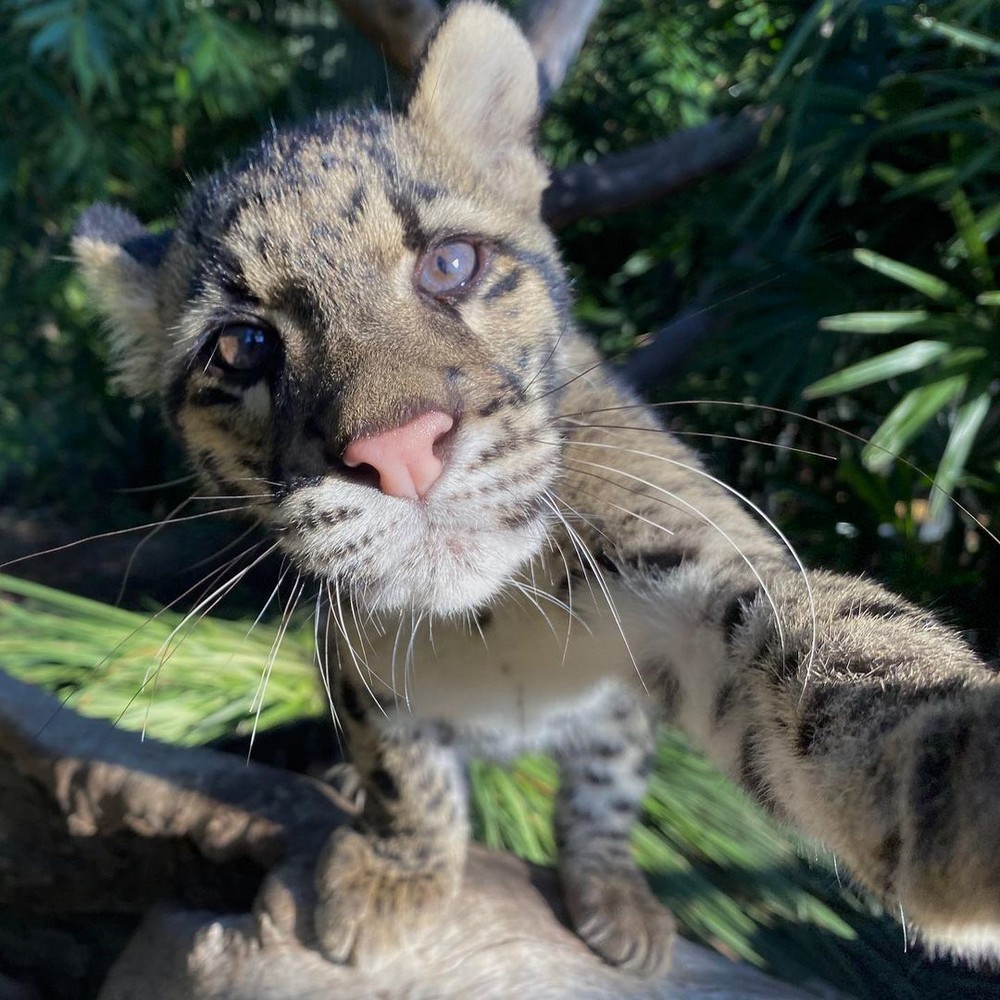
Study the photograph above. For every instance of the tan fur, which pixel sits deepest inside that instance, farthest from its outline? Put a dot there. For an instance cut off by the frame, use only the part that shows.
(612, 578)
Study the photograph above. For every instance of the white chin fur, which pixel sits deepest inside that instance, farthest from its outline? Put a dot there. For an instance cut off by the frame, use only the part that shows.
(450, 576)
(409, 565)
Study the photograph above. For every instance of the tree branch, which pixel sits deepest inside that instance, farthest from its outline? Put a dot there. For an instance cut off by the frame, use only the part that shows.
(556, 30)
(666, 350)
(400, 28)
(639, 176)
(84, 802)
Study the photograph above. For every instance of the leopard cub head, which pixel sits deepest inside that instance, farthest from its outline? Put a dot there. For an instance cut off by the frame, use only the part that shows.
(358, 328)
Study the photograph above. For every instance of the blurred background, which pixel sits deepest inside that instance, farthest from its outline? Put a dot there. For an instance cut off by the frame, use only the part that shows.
(819, 318)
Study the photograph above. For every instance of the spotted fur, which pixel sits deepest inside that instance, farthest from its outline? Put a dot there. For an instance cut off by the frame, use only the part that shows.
(573, 574)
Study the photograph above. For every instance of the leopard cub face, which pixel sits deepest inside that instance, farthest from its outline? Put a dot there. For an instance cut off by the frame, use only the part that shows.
(357, 330)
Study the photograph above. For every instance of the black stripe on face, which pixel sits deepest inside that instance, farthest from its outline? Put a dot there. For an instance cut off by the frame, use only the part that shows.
(210, 395)
(352, 702)
(415, 238)
(301, 302)
(505, 285)
(549, 271)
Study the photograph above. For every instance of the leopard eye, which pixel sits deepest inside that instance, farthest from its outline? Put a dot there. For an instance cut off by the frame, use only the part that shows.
(244, 348)
(447, 268)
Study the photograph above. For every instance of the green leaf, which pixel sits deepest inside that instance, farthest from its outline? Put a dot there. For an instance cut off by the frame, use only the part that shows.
(874, 322)
(960, 36)
(41, 13)
(927, 284)
(969, 419)
(968, 231)
(52, 36)
(908, 358)
(991, 298)
(907, 418)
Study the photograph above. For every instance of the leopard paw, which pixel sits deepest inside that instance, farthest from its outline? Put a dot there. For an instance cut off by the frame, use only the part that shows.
(374, 897)
(618, 916)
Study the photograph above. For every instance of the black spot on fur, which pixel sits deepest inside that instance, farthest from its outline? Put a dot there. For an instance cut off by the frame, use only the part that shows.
(662, 560)
(484, 618)
(355, 204)
(736, 613)
(351, 702)
(594, 776)
(444, 734)
(608, 750)
(816, 720)
(384, 784)
(752, 774)
(933, 788)
(606, 563)
(873, 609)
(584, 814)
(624, 807)
(493, 452)
(491, 407)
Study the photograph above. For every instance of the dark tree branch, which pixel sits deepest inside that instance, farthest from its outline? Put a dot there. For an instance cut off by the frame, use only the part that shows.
(556, 30)
(400, 28)
(639, 176)
(669, 347)
(92, 818)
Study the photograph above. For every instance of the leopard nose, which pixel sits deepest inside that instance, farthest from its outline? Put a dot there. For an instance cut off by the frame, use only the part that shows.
(403, 456)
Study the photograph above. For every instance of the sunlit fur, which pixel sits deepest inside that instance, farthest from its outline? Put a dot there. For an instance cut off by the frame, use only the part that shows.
(574, 573)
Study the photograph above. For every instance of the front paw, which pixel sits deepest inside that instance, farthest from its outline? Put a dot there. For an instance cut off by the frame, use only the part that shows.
(375, 897)
(616, 914)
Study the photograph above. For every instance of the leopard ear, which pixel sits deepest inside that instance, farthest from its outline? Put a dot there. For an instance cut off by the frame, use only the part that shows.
(477, 92)
(119, 261)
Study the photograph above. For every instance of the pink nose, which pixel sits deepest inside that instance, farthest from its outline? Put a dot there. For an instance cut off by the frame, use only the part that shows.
(404, 456)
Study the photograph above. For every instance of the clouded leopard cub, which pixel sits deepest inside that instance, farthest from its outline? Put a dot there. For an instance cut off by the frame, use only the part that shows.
(363, 328)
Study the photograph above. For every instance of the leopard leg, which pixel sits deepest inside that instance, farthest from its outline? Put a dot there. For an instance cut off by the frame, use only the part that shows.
(603, 780)
(379, 885)
(874, 727)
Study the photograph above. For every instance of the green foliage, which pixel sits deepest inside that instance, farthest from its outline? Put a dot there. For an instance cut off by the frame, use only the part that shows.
(870, 208)
(186, 680)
